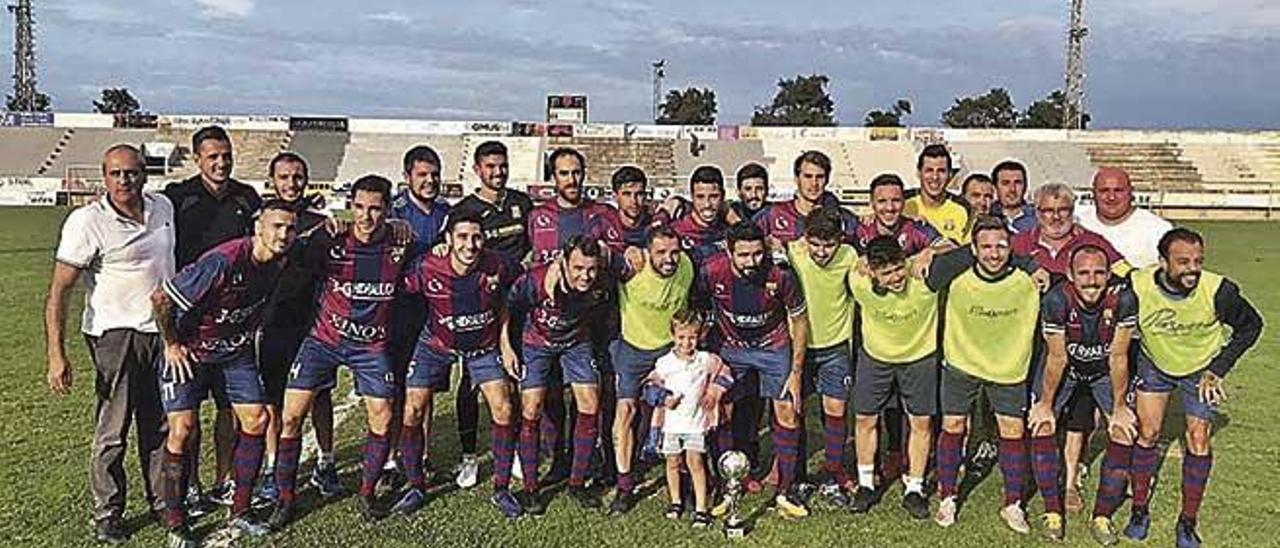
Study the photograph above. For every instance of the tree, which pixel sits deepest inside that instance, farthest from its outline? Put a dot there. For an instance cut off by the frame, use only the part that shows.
(800, 101)
(993, 110)
(888, 118)
(691, 106)
(42, 103)
(116, 101)
(1048, 113)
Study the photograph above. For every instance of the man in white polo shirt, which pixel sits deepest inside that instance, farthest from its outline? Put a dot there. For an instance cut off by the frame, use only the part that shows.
(1132, 231)
(122, 246)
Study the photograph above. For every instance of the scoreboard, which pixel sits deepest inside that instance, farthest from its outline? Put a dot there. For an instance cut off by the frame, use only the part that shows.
(566, 109)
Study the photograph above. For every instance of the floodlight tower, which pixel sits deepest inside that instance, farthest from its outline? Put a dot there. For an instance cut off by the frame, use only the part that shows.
(659, 73)
(1073, 111)
(24, 57)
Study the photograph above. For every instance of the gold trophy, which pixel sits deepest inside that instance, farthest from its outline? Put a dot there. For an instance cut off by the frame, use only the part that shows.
(734, 466)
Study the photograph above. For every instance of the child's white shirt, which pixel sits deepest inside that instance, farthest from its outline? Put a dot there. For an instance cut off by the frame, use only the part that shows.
(688, 378)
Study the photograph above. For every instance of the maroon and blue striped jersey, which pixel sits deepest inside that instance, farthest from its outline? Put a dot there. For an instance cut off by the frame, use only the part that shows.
(551, 225)
(912, 235)
(462, 310)
(751, 312)
(359, 282)
(783, 221)
(563, 318)
(699, 241)
(637, 235)
(220, 300)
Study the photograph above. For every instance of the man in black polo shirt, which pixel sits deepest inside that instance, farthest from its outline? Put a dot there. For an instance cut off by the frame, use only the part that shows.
(210, 208)
(502, 211)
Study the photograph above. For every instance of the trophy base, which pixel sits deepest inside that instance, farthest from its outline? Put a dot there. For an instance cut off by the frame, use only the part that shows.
(735, 531)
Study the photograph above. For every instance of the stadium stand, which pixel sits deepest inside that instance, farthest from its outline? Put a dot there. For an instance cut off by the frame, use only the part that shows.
(26, 149)
(253, 150)
(872, 158)
(383, 154)
(81, 149)
(1151, 165)
(729, 155)
(780, 153)
(1232, 165)
(323, 151)
(1046, 161)
(524, 156)
(606, 154)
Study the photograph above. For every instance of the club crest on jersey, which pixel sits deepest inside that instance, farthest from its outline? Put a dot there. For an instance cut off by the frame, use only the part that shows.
(397, 254)
(515, 212)
(542, 221)
(337, 251)
(771, 288)
(781, 223)
(435, 286)
(491, 282)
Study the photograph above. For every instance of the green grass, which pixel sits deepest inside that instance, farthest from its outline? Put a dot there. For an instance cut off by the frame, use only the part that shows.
(45, 448)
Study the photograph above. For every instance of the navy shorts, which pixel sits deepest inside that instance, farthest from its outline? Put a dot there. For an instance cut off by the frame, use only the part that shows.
(430, 369)
(1099, 387)
(960, 390)
(577, 365)
(1152, 379)
(316, 368)
(878, 384)
(827, 371)
(773, 365)
(277, 348)
(234, 381)
(632, 365)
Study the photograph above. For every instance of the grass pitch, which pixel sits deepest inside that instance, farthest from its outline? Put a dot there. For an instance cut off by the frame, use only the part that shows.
(44, 450)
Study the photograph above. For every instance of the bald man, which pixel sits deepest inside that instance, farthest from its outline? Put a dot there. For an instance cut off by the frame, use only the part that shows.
(1132, 231)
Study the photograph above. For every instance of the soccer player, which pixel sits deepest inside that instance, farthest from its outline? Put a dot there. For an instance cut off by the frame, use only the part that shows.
(991, 297)
(980, 193)
(899, 326)
(932, 203)
(210, 208)
(558, 328)
(208, 347)
(702, 230)
(760, 313)
(647, 301)
(1057, 234)
(783, 222)
(823, 266)
(285, 324)
(464, 296)
(1010, 178)
(1087, 324)
(1133, 231)
(571, 213)
(1183, 313)
(502, 210)
(886, 219)
(122, 246)
(359, 273)
(634, 214)
(753, 191)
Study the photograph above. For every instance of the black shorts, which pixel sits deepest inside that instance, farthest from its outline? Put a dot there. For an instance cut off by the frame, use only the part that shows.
(960, 390)
(277, 348)
(875, 382)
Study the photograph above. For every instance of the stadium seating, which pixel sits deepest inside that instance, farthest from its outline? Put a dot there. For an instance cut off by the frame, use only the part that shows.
(606, 154)
(81, 149)
(1046, 161)
(323, 151)
(1151, 165)
(780, 154)
(872, 158)
(383, 154)
(253, 150)
(728, 155)
(26, 149)
(1233, 165)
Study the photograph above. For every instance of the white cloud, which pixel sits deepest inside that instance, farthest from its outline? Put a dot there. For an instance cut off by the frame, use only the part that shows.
(390, 17)
(225, 9)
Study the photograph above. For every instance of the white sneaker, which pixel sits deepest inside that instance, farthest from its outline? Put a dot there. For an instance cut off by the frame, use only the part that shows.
(1015, 518)
(946, 515)
(516, 471)
(467, 472)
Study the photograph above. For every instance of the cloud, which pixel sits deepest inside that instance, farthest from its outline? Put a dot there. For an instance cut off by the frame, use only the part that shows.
(390, 17)
(225, 9)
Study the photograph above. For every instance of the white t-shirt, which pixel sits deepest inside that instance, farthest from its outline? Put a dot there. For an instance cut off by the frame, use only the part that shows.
(121, 261)
(689, 379)
(1136, 238)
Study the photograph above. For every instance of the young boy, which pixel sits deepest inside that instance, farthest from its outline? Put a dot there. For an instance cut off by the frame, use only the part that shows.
(693, 382)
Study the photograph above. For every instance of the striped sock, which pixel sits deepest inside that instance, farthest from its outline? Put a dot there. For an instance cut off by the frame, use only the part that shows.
(786, 446)
(288, 453)
(1195, 478)
(172, 470)
(245, 464)
(833, 435)
(412, 452)
(1045, 466)
(529, 453)
(376, 450)
(1115, 471)
(504, 449)
(585, 431)
(950, 449)
(1144, 466)
(626, 484)
(1013, 466)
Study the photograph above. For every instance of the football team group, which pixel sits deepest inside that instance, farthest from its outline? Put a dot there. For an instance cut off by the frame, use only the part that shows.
(614, 338)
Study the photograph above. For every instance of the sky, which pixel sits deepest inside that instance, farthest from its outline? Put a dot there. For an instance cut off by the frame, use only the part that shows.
(1149, 63)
